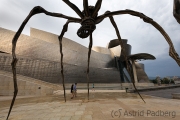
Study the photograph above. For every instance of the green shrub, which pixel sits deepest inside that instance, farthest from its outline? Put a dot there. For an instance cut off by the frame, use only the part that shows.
(165, 80)
(154, 81)
(172, 81)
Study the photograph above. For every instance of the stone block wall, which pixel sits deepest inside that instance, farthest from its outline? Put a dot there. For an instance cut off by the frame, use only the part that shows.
(26, 86)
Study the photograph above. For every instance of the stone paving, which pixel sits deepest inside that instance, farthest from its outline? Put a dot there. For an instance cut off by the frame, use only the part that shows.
(107, 105)
(165, 93)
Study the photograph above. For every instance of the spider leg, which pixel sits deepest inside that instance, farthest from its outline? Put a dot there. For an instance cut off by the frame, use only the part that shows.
(97, 7)
(124, 54)
(89, 54)
(65, 27)
(172, 51)
(35, 10)
(85, 5)
(74, 7)
(13, 64)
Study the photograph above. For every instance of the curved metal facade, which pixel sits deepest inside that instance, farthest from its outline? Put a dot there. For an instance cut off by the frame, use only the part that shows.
(101, 50)
(116, 48)
(35, 48)
(39, 58)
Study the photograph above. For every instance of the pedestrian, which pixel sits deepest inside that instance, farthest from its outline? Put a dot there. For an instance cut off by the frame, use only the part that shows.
(74, 91)
(93, 87)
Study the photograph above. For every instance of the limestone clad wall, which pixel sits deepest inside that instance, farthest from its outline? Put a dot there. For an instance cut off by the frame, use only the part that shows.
(141, 75)
(26, 86)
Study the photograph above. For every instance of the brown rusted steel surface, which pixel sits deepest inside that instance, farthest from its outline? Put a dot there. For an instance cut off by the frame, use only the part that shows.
(61, 53)
(89, 54)
(65, 28)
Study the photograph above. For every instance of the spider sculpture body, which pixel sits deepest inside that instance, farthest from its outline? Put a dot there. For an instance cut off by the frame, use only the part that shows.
(88, 20)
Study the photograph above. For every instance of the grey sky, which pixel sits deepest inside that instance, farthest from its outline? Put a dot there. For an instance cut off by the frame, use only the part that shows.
(142, 36)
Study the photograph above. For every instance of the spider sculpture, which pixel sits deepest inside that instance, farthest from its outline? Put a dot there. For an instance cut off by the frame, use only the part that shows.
(88, 20)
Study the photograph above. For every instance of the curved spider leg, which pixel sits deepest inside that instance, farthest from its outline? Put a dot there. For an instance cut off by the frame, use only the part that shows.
(97, 7)
(124, 54)
(89, 54)
(13, 64)
(85, 5)
(65, 27)
(35, 10)
(74, 7)
(172, 51)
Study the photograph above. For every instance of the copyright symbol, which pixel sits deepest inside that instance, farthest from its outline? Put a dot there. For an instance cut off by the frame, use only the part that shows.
(116, 114)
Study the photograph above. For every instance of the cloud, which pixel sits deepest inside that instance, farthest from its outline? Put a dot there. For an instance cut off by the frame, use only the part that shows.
(162, 67)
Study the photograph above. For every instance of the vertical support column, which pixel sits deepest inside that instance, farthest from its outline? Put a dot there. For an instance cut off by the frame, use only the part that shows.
(116, 62)
(120, 66)
(134, 71)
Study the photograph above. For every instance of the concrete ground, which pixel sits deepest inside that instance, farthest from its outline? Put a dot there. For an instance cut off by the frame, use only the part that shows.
(102, 105)
(164, 93)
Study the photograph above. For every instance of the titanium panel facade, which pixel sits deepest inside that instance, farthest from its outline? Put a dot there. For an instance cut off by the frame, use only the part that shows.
(49, 71)
(40, 59)
(35, 48)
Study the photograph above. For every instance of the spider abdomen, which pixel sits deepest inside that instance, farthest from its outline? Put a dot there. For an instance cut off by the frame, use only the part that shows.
(87, 27)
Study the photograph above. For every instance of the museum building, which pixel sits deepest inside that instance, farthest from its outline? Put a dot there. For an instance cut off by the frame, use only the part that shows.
(39, 57)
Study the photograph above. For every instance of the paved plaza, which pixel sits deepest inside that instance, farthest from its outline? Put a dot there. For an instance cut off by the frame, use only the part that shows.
(102, 105)
(164, 93)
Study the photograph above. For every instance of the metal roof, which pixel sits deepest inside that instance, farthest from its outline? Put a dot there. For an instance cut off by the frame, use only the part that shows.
(139, 56)
(115, 42)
